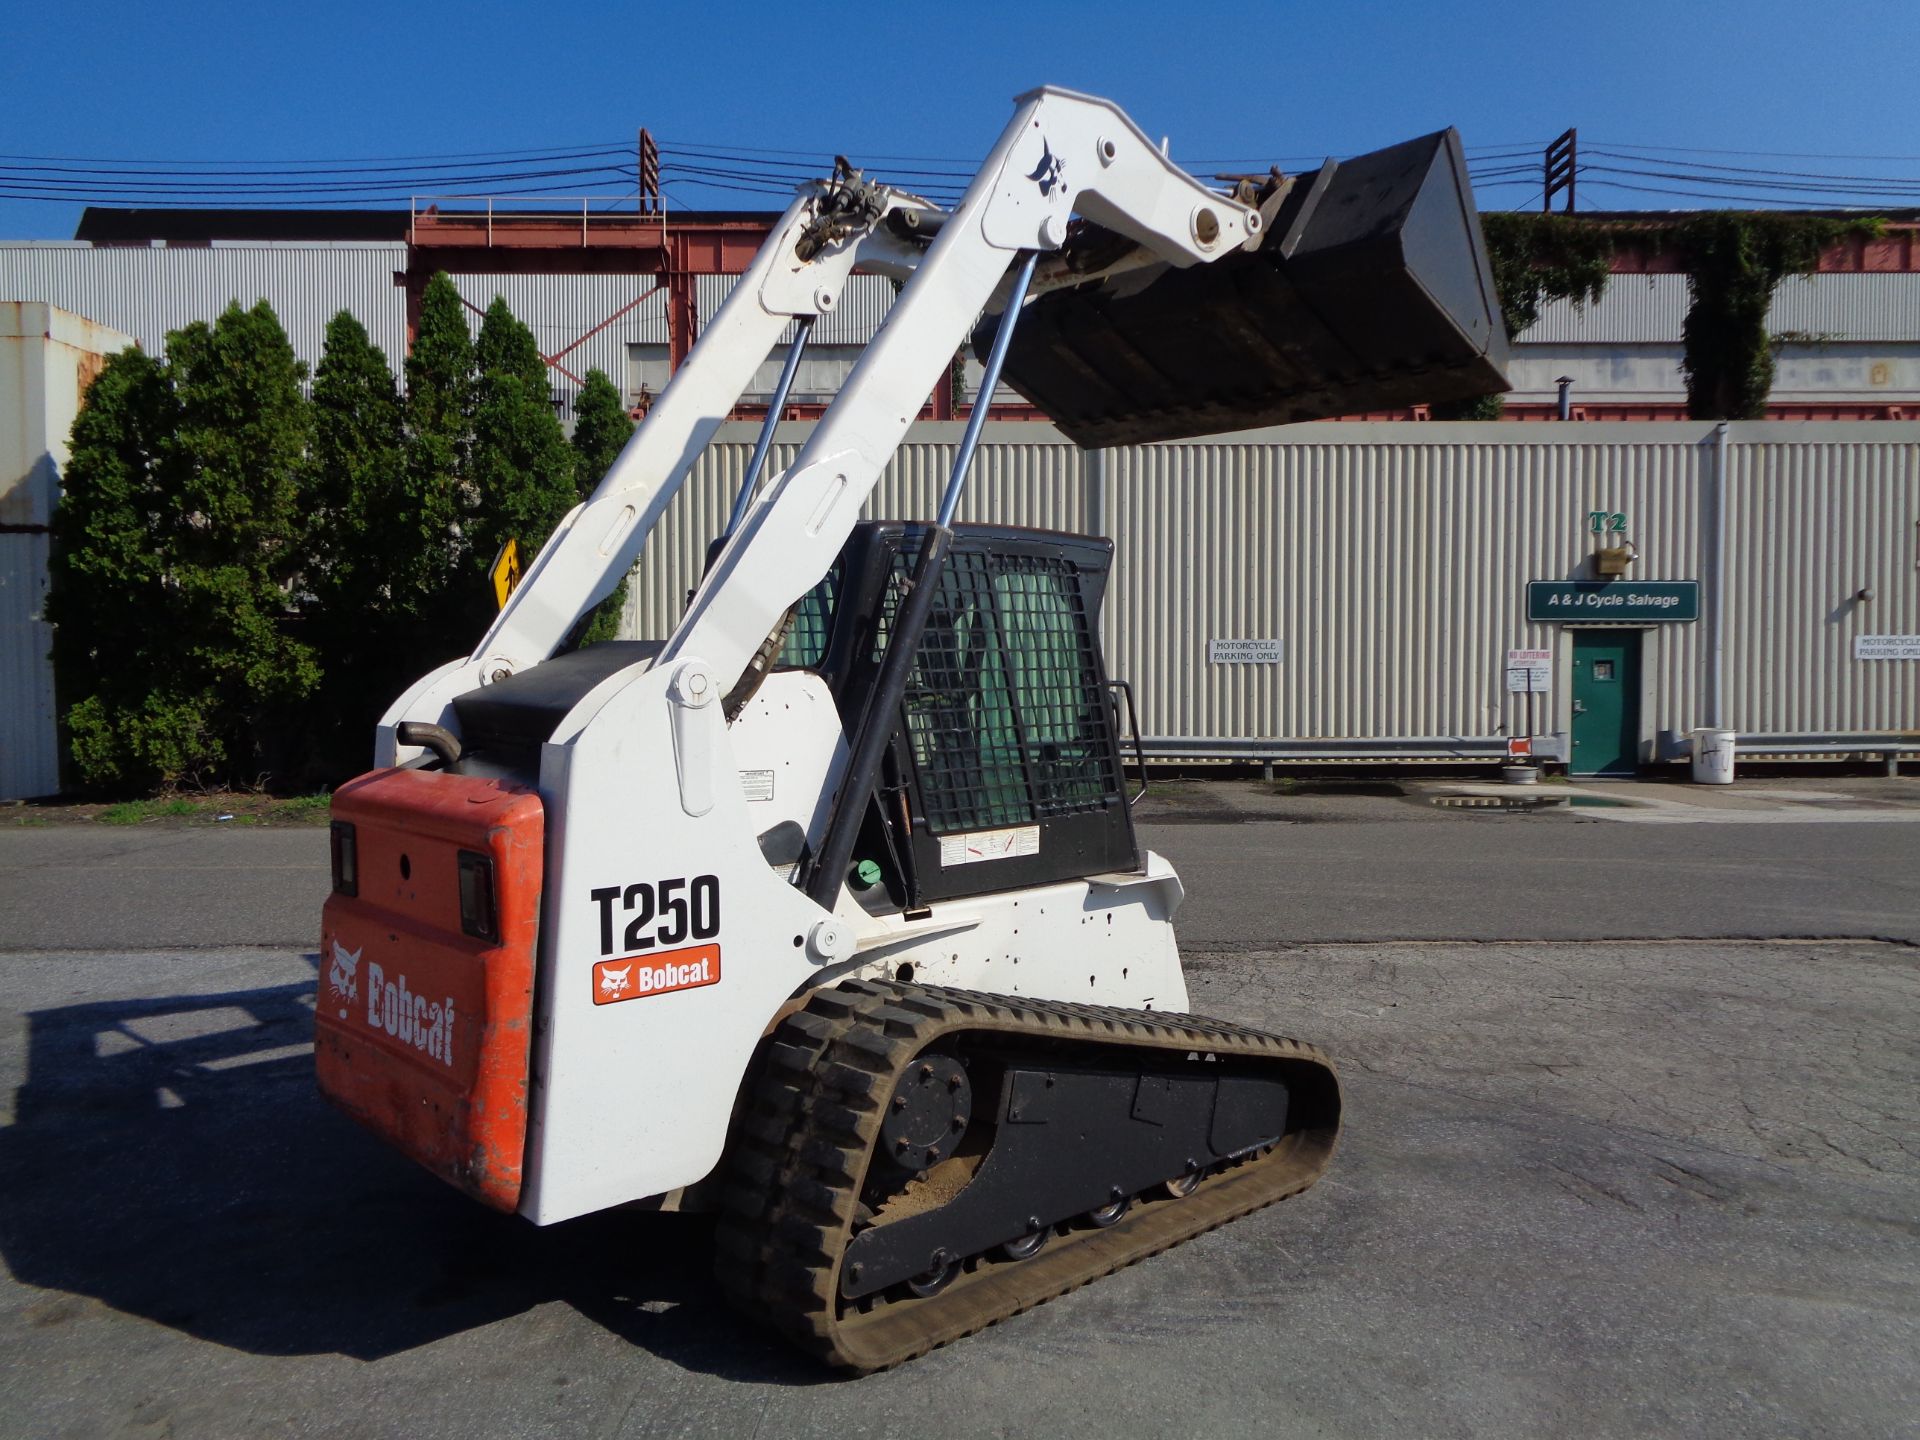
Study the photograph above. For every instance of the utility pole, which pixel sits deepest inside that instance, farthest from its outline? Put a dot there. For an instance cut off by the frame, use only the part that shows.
(649, 172)
(1561, 162)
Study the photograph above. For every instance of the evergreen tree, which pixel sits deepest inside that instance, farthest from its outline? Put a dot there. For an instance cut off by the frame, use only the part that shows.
(105, 568)
(381, 551)
(373, 549)
(180, 541)
(522, 470)
(601, 428)
(439, 412)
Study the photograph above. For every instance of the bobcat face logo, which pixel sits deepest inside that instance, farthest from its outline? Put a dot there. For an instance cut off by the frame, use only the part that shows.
(341, 979)
(614, 983)
(1048, 172)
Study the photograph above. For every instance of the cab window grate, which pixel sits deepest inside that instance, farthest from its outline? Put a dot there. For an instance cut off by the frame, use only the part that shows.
(1005, 713)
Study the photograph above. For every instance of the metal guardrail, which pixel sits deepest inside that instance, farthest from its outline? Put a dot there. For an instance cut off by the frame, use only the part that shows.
(1441, 747)
(1491, 748)
(1903, 743)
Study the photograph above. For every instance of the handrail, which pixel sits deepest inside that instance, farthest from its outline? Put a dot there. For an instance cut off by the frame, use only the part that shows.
(555, 207)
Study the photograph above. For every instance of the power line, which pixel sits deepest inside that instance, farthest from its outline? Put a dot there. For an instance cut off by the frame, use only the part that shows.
(281, 202)
(765, 171)
(1762, 154)
(110, 172)
(1768, 200)
(540, 153)
(1779, 189)
(1747, 169)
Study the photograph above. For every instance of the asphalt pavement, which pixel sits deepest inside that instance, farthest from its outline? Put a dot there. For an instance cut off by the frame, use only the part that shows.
(1587, 1190)
(1591, 1185)
(1260, 869)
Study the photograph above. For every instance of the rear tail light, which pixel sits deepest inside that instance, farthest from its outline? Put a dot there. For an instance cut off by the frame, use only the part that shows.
(478, 917)
(346, 859)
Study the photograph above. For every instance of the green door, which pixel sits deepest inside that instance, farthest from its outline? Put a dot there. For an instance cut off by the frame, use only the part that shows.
(1606, 702)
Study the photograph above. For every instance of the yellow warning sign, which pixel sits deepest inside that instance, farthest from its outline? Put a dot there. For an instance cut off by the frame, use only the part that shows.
(505, 571)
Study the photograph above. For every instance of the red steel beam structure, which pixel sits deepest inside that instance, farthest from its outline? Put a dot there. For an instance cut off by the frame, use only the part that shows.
(674, 248)
(677, 248)
(1894, 250)
(491, 242)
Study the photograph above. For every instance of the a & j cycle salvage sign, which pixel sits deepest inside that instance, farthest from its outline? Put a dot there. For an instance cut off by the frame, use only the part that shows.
(1604, 601)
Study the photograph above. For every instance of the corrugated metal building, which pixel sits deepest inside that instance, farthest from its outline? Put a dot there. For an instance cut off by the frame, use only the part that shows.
(47, 359)
(1384, 563)
(1383, 571)
(148, 291)
(1852, 339)
(1844, 340)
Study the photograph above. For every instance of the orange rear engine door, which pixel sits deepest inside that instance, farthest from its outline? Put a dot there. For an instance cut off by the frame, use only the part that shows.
(424, 1011)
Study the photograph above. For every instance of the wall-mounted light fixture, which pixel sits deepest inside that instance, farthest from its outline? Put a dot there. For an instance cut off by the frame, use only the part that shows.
(1614, 559)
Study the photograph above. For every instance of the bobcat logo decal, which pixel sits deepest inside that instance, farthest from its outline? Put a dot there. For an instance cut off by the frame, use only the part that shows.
(614, 983)
(1047, 173)
(341, 979)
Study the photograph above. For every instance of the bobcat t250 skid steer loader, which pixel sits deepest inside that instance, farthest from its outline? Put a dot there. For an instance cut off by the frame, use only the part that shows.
(826, 911)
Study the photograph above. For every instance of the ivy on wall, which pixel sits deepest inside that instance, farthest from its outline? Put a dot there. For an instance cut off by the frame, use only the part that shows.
(1733, 261)
(1535, 259)
(1541, 258)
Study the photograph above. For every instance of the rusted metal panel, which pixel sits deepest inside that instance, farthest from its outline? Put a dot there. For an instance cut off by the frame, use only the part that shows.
(47, 359)
(29, 745)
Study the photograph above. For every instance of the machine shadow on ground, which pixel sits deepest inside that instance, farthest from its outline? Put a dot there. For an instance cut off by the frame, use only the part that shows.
(172, 1159)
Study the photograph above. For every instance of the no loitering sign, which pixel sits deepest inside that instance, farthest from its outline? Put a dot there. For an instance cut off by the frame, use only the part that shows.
(1529, 672)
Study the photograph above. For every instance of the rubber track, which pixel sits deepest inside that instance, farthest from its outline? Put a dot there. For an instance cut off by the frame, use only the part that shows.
(801, 1147)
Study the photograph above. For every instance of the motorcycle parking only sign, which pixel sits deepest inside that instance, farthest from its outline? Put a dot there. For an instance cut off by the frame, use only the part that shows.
(1243, 652)
(1886, 647)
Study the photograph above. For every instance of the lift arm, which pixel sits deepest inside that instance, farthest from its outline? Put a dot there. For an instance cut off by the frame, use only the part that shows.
(1063, 153)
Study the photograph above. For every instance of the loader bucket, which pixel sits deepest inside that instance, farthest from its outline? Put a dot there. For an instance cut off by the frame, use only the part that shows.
(1369, 290)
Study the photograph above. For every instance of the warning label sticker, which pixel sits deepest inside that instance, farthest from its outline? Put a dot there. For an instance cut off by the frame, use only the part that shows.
(756, 784)
(981, 845)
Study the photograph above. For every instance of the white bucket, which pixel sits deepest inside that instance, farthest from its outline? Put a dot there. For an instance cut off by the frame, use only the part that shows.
(1713, 757)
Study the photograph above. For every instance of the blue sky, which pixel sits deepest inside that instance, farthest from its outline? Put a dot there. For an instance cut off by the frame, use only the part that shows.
(278, 84)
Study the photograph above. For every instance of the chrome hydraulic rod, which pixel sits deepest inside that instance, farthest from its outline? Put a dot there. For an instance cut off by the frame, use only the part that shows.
(803, 331)
(989, 382)
(875, 730)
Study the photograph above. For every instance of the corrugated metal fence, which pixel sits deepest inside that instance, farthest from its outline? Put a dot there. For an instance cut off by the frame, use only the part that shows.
(1824, 546)
(1391, 563)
